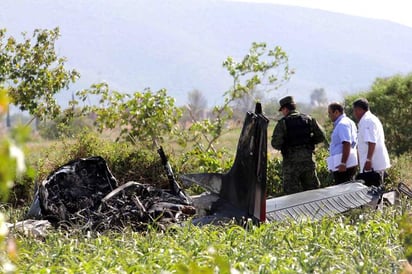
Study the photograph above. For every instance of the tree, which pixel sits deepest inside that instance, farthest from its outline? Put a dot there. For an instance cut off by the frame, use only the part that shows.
(318, 98)
(142, 116)
(197, 105)
(32, 72)
(261, 69)
(390, 99)
(65, 126)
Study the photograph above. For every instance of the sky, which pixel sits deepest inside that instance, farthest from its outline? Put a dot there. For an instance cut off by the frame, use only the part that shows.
(398, 11)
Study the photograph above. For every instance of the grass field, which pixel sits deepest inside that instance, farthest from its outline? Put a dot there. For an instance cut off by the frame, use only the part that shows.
(359, 243)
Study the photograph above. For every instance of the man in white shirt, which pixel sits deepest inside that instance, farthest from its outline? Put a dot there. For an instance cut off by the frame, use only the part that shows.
(343, 160)
(373, 154)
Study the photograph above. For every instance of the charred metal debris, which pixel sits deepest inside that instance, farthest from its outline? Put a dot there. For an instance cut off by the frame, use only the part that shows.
(84, 193)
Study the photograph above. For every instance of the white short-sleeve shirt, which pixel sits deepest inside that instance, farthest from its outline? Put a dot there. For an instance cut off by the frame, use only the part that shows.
(370, 130)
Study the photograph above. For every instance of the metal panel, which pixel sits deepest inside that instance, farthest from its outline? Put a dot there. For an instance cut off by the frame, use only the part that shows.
(319, 203)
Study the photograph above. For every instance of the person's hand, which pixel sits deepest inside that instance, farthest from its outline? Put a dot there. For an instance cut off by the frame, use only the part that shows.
(367, 166)
(342, 168)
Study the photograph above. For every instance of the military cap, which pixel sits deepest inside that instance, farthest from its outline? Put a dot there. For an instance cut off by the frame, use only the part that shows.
(286, 100)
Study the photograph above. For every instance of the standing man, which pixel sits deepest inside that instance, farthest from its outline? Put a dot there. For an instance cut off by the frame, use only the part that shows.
(295, 135)
(373, 154)
(343, 160)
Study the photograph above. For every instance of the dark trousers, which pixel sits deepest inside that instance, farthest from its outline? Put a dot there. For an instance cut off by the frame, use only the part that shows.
(342, 177)
(299, 176)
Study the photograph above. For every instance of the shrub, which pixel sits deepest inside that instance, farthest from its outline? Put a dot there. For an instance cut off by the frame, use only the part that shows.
(274, 177)
(63, 128)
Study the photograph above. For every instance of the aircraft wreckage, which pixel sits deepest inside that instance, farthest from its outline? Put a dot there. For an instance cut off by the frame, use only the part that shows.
(85, 194)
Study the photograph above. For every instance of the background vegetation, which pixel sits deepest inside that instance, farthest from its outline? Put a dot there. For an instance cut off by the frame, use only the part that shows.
(125, 128)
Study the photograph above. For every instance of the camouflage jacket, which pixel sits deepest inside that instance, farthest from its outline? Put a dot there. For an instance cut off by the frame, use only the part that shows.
(281, 139)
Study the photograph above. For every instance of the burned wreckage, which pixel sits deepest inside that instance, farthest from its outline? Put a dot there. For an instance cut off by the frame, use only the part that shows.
(84, 193)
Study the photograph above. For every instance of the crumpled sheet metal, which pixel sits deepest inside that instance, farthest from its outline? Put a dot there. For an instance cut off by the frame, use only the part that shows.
(85, 194)
(35, 228)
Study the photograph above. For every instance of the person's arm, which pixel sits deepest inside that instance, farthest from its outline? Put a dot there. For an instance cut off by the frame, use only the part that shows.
(278, 135)
(318, 133)
(371, 150)
(345, 156)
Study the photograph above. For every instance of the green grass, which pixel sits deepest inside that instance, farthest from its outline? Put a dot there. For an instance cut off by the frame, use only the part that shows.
(367, 243)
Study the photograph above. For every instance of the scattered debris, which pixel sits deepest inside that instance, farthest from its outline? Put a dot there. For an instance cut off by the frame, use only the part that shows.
(85, 194)
(36, 228)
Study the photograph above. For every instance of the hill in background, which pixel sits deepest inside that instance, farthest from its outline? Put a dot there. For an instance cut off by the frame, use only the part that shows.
(180, 45)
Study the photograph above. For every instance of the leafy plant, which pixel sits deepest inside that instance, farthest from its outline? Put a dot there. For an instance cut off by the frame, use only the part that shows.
(368, 244)
(260, 68)
(33, 73)
(141, 117)
(64, 126)
(12, 164)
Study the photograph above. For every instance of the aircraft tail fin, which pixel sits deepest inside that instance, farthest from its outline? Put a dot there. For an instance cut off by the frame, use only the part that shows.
(244, 185)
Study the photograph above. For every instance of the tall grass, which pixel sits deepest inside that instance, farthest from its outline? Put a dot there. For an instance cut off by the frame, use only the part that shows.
(367, 243)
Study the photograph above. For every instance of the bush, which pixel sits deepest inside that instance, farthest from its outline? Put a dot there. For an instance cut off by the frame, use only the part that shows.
(399, 172)
(274, 177)
(324, 175)
(61, 128)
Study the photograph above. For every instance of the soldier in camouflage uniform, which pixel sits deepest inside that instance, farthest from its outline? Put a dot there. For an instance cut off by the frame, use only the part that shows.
(296, 135)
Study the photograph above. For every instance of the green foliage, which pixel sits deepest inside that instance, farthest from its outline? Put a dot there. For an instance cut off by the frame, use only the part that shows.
(400, 171)
(142, 117)
(12, 160)
(7, 169)
(64, 126)
(405, 224)
(324, 175)
(260, 68)
(369, 244)
(12, 165)
(274, 177)
(128, 162)
(198, 160)
(33, 73)
(390, 99)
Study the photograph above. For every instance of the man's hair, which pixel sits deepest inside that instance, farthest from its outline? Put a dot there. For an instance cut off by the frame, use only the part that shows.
(361, 103)
(336, 107)
(290, 106)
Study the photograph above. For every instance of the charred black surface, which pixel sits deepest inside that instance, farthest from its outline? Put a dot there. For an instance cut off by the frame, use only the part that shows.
(137, 206)
(245, 182)
(75, 186)
(84, 193)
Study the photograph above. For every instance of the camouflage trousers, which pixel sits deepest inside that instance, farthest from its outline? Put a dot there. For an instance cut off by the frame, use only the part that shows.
(299, 176)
